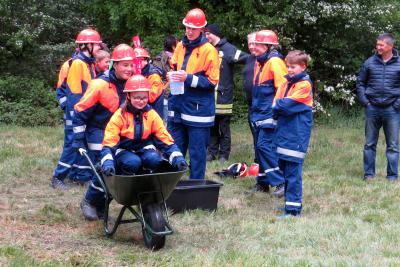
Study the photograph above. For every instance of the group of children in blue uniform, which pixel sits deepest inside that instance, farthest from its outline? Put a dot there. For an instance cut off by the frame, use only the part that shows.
(109, 115)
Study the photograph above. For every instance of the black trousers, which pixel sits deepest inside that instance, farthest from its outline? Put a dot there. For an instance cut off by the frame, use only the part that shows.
(220, 137)
(253, 134)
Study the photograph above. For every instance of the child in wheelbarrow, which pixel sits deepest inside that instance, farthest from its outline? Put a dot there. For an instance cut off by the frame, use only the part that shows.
(132, 137)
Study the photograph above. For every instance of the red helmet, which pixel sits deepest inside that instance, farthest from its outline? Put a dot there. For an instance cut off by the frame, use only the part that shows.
(140, 52)
(266, 37)
(238, 169)
(122, 52)
(137, 83)
(254, 169)
(195, 18)
(88, 36)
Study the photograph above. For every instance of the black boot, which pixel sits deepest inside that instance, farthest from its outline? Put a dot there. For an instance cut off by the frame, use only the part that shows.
(89, 211)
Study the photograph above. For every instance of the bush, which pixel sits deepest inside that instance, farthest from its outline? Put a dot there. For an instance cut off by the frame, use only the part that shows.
(28, 102)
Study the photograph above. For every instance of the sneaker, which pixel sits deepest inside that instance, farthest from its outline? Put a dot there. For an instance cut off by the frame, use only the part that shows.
(58, 184)
(279, 191)
(392, 179)
(89, 211)
(259, 188)
(210, 157)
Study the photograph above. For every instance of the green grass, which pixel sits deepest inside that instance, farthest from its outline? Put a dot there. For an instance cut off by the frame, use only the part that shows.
(345, 221)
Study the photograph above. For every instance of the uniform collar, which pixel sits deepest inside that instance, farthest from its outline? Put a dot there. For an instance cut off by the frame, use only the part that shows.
(195, 43)
(83, 57)
(295, 78)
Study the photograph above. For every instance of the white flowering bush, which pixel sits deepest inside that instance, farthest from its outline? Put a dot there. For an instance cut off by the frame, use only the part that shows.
(339, 36)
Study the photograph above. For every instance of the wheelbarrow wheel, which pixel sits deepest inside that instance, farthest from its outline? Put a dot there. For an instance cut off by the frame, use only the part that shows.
(153, 216)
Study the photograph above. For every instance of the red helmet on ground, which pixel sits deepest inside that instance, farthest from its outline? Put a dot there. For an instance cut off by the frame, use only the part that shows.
(137, 83)
(195, 18)
(140, 52)
(88, 36)
(266, 37)
(122, 52)
(254, 169)
(238, 169)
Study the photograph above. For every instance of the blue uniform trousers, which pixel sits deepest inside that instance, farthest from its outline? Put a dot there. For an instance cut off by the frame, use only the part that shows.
(65, 166)
(129, 163)
(94, 194)
(293, 185)
(270, 173)
(254, 135)
(196, 139)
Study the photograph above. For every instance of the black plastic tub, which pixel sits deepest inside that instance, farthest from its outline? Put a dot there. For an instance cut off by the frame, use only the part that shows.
(194, 194)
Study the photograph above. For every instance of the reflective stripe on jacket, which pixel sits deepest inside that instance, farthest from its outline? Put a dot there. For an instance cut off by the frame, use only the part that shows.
(196, 107)
(61, 84)
(103, 97)
(81, 72)
(293, 108)
(269, 75)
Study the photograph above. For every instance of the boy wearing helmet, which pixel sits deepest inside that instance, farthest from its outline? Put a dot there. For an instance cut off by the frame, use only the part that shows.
(134, 133)
(80, 73)
(191, 114)
(92, 113)
(153, 74)
(269, 75)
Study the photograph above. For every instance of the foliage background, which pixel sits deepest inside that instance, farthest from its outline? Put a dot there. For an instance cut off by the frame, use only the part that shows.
(37, 36)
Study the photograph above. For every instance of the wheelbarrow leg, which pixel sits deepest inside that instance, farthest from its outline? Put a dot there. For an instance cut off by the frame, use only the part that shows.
(107, 230)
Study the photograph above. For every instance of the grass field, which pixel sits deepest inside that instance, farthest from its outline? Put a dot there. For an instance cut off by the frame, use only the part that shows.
(345, 221)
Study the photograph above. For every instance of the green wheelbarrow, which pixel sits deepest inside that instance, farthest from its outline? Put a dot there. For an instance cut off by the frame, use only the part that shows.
(144, 196)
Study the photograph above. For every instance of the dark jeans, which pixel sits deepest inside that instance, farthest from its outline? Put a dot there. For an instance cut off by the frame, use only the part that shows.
(220, 137)
(388, 118)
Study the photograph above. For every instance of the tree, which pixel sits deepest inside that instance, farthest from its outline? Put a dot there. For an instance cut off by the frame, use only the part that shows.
(37, 35)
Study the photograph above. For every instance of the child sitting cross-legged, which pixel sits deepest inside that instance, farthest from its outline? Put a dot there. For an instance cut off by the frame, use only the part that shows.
(135, 134)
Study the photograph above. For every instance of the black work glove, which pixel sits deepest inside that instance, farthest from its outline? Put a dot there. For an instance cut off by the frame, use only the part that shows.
(108, 170)
(182, 165)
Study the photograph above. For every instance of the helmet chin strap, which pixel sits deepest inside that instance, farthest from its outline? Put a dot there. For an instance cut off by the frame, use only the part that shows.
(90, 51)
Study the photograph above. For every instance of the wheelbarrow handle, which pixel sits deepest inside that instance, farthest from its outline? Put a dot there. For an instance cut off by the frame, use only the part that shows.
(84, 153)
(82, 150)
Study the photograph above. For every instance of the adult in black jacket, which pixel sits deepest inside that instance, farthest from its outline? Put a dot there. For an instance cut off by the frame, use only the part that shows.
(220, 134)
(378, 89)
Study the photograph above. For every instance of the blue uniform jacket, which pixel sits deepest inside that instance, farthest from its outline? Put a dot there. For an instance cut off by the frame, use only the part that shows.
(196, 107)
(103, 97)
(293, 110)
(269, 72)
